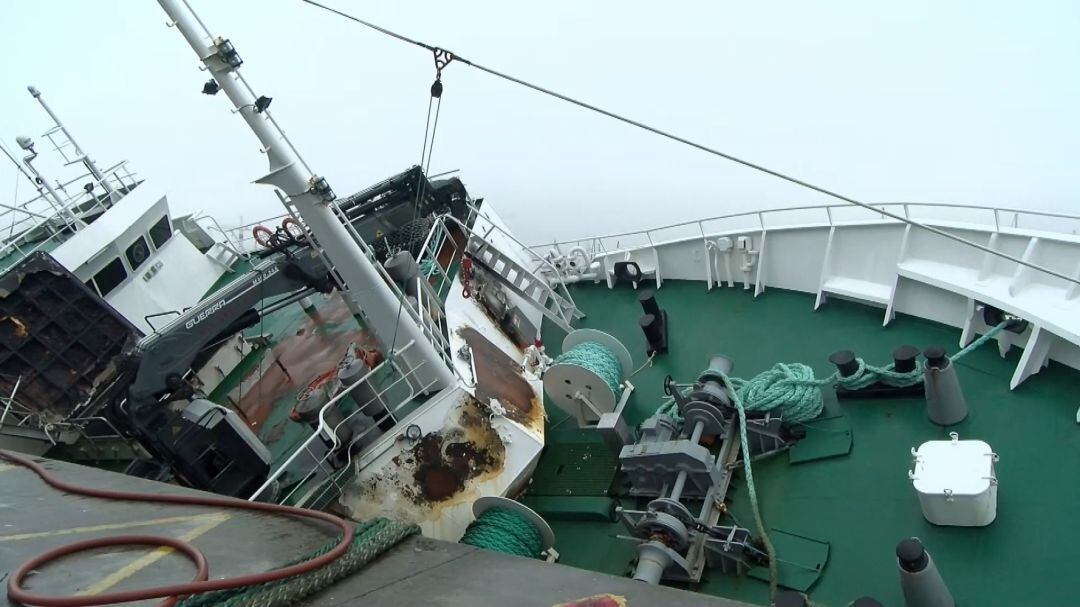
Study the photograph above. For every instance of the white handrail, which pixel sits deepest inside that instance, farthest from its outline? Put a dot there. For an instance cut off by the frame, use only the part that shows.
(321, 462)
(322, 426)
(826, 207)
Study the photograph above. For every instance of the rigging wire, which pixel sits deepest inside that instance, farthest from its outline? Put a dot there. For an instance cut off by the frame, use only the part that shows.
(423, 151)
(700, 146)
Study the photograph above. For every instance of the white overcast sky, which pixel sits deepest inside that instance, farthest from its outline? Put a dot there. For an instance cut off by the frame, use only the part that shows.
(972, 102)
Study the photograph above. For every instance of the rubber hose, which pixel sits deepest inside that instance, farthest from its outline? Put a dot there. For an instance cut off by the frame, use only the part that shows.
(175, 591)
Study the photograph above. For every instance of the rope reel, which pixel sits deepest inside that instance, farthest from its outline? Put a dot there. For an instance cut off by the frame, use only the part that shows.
(586, 379)
(503, 525)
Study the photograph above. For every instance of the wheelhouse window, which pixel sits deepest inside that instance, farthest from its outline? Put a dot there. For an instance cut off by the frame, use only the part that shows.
(110, 276)
(137, 253)
(160, 232)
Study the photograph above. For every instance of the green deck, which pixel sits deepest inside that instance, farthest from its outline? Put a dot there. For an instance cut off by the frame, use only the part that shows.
(862, 503)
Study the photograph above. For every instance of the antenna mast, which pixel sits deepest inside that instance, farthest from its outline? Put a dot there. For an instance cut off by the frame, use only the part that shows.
(313, 199)
(80, 155)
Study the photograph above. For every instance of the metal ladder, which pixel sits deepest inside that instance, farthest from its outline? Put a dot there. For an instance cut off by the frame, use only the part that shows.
(557, 307)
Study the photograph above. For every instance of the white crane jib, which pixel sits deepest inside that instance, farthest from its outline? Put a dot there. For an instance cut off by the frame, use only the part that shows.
(311, 195)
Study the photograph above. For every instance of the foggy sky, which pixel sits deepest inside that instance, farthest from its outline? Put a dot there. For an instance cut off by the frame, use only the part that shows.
(970, 102)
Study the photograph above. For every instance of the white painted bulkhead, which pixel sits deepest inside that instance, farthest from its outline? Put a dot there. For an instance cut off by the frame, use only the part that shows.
(522, 440)
(845, 252)
(133, 258)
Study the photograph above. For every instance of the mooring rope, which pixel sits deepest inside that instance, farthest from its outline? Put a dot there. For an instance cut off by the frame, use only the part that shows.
(597, 358)
(506, 531)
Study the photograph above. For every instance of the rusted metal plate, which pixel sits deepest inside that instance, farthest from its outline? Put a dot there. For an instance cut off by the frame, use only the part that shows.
(313, 348)
(500, 377)
(437, 469)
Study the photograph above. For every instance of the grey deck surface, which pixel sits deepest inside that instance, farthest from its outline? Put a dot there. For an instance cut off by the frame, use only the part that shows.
(35, 517)
(422, 571)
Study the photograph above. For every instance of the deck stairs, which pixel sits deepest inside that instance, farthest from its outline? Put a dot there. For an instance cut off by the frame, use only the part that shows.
(554, 302)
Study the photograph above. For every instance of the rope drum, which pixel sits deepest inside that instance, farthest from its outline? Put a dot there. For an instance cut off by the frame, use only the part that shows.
(509, 527)
(506, 531)
(598, 359)
(586, 379)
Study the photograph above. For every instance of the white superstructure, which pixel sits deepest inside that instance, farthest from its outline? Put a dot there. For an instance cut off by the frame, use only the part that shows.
(111, 230)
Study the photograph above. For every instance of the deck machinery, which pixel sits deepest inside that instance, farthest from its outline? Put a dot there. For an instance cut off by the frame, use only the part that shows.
(670, 464)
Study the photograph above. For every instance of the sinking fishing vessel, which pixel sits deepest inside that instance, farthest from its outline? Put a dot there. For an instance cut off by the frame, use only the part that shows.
(569, 417)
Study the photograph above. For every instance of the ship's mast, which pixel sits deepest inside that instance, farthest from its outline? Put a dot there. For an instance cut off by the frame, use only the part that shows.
(48, 193)
(80, 155)
(313, 198)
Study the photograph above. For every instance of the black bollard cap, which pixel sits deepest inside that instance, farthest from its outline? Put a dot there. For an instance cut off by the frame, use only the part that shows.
(789, 598)
(647, 299)
(935, 357)
(911, 554)
(651, 326)
(866, 601)
(845, 362)
(904, 358)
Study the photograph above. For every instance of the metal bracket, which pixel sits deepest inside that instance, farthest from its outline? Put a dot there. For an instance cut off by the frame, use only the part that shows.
(443, 58)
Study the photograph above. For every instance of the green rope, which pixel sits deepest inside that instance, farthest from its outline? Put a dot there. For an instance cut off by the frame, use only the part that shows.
(670, 409)
(596, 358)
(506, 531)
(427, 258)
(793, 389)
(992, 333)
(790, 387)
(749, 473)
(372, 538)
(868, 375)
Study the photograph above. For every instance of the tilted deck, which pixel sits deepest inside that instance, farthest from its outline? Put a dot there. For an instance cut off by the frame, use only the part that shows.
(861, 503)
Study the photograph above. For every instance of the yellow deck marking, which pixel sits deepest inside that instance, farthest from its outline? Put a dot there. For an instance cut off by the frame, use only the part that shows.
(107, 527)
(6, 467)
(157, 554)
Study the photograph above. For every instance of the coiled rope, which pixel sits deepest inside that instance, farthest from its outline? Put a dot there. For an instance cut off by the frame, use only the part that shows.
(793, 389)
(597, 358)
(506, 531)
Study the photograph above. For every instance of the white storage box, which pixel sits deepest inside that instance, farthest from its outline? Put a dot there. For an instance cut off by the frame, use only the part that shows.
(955, 481)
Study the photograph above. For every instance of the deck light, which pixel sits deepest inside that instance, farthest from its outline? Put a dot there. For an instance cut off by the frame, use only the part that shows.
(227, 53)
(320, 187)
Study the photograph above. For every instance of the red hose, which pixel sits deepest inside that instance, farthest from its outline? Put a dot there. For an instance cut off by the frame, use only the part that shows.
(175, 591)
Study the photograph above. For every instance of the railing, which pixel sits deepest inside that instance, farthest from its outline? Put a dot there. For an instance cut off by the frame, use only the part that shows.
(435, 240)
(545, 264)
(1000, 218)
(212, 224)
(43, 213)
(242, 238)
(17, 415)
(327, 433)
(419, 314)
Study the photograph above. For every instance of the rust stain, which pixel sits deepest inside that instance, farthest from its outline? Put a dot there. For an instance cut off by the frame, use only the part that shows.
(499, 377)
(438, 469)
(600, 600)
(307, 353)
(443, 468)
